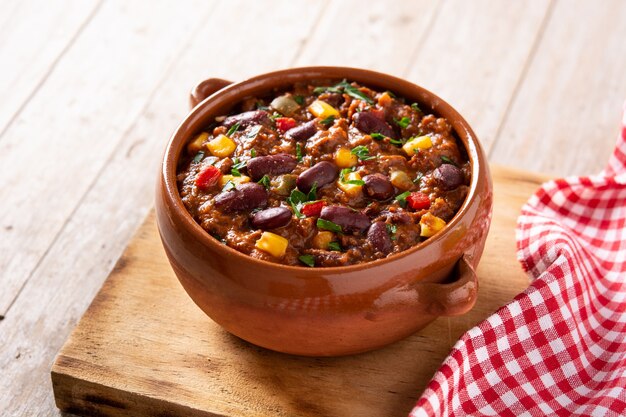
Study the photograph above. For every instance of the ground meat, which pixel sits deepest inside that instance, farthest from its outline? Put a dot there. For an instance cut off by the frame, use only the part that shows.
(333, 156)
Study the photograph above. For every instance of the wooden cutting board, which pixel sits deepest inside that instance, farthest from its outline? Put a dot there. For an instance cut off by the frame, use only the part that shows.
(143, 348)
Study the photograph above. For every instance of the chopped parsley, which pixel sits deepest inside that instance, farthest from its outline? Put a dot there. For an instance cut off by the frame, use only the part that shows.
(298, 152)
(253, 152)
(447, 160)
(297, 199)
(334, 246)
(418, 179)
(328, 225)
(320, 90)
(308, 260)
(416, 107)
(347, 171)
(299, 100)
(235, 168)
(392, 229)
(275, 116)
(397, 142)
(362, 153)
(403, 123)
(377, 136)
(251, 135)
(354, 92)
(265, 181)
(328, 121)
(199, 156)
(401, 198)
(228, 186)
(233, 129)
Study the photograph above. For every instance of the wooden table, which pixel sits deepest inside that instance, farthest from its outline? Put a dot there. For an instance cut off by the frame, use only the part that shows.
(91, 91)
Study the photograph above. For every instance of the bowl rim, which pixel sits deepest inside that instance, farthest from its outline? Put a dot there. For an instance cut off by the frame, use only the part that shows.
(289, 76)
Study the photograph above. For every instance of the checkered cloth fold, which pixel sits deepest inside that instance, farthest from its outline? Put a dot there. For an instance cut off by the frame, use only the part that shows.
(559, 348)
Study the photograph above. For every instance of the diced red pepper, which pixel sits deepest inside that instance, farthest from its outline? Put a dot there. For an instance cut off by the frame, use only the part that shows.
(313, 209)
(285, 123)
(418, 201)
(208, 177)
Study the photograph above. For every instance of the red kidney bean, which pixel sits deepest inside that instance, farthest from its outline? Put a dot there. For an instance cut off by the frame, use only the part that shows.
(349, 220)
(367, 122)
(448, 176)
(302, 132)
(271, 218)
(254, 117)
(244, 197)
(379, 237)
(271, 165)
(378, 186)
(321, 174)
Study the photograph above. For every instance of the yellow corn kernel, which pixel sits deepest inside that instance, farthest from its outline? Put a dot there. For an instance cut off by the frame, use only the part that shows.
(322, 239)
(322, 109)
(345, 159)
(222, 146)
(401, 180)
(384, 99)
(420, 142)
(273, 244)
(195, 145)
(431, 224)
(235, 180)
(350, 189)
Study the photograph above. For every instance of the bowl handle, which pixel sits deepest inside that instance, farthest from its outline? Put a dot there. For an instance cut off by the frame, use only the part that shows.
(205, 88)
(451, 298)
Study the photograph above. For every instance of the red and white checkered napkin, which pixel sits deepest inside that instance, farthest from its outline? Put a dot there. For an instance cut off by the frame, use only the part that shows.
(559, 348)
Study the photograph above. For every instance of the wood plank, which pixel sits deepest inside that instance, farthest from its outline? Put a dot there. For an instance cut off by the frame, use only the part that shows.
(565, 119)
(143, 347)
(379, 36)
(119, 199)
(31, 44)
(64, 136)
(474, 55)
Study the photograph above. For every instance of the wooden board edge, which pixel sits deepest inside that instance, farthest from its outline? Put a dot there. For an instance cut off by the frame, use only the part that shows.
(83, 396)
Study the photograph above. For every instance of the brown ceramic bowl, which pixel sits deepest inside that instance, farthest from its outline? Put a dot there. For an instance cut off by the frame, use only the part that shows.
(324, 311)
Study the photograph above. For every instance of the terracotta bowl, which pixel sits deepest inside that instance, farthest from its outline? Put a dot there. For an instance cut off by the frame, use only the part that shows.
(324, 311)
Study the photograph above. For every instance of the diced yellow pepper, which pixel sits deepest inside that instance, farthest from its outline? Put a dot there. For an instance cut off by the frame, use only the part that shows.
(273, 244)
(322, 239)
(420, 142)
(345, 159)
(196, 144)
(222, 146)
(235, 180)
(350, 189)
(322, 109)
(401, 180)
(431, 224)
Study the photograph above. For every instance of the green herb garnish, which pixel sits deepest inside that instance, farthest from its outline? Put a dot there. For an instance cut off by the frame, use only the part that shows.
(328, 121)
(265, 182)
(354, 92)
(275, 116)
(403, 123)
(261, 106)
(233, 129)
(418, 179)
(228, 186)
(401, 198)
(236, 167)
(391, 94)
(253, 153)
(308, 260)
(312, 195)
(415, 107)
(334, 246)
(447, 160)
(298, 152)
(397, 142)
(297, 199)
(199, 156)
(344, 172)
(299, 100)
(392, 229)
(328, 225)
(377, 136)
(362, 153)
(253, 132)
(320, 90)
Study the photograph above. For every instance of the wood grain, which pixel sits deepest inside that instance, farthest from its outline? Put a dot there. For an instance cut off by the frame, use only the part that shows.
(565, 119)
(31, 45)
(144, 348)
